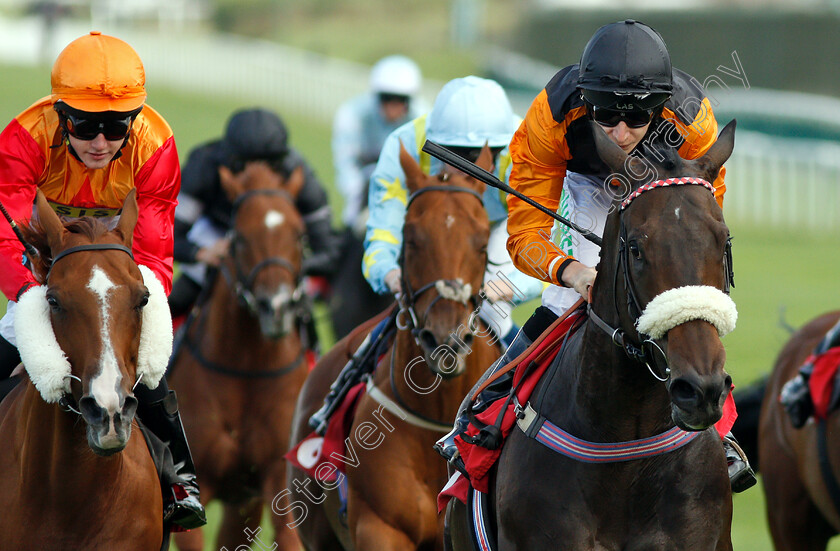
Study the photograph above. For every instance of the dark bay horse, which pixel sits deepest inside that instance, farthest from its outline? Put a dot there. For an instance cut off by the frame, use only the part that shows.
(97, 326)
(662, 274)
(242, 362)
(801, 511)
(437, 354)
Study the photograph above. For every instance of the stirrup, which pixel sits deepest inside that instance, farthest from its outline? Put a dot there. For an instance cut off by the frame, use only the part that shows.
(183, 509)
(795, 397)
(741, 475)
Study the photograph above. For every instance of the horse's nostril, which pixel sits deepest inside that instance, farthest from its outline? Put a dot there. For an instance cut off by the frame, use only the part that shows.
(129, 408)
(468, 339)
(91, 411)
(427, 339)
(684, 394)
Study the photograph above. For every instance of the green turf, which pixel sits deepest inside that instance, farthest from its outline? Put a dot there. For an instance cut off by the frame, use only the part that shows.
(774, 269)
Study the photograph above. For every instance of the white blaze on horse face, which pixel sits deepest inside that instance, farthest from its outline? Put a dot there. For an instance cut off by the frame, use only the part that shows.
(103, 387)
(677, 212)
(449, 221)
(273, 219)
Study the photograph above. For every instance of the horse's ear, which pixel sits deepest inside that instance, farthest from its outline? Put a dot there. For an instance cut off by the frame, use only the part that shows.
(414, 176)
(485, 158)
(295, 182)
(719, 152)
(230, 183)
(128, 217)
(608, 150)
(49, 221)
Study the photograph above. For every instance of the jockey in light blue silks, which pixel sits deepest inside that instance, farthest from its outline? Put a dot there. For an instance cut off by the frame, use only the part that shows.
(468, 113)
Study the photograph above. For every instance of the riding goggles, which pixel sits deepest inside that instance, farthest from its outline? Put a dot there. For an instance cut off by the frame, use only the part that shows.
(471, 153)
(87, 129)
(611, 117)
(385, 97)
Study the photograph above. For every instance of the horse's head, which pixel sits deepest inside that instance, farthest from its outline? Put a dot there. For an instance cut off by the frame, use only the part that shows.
(264, 267)
(663, 277)
(97, 326)
(444, 256)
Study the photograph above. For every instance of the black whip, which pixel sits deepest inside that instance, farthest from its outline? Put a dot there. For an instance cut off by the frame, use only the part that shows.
(30, 250)
(443, 154)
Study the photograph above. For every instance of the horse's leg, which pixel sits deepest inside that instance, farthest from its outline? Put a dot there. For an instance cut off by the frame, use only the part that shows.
(241, 526)
(189, 541)
(285, 535)
(457, 535)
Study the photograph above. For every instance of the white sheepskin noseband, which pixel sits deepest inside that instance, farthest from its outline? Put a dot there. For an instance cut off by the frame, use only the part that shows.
(43, 358)
(155, 334)
(48, 366)
(692, 302)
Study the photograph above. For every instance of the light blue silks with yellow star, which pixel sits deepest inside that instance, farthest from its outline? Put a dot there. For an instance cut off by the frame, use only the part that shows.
(388, 196)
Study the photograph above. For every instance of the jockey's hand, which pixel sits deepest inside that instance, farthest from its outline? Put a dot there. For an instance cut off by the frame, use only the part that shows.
(580, 278)
(213, 255)
(498, 289)
(392, 280)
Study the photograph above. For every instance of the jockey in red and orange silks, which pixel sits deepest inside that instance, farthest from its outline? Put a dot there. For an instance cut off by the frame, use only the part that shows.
(86, 147)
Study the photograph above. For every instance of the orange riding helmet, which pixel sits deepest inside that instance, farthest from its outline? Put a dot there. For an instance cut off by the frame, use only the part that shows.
(97, 73)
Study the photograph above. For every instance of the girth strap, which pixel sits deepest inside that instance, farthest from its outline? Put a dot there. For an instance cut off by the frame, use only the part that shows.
(381, 398)
(553, 437)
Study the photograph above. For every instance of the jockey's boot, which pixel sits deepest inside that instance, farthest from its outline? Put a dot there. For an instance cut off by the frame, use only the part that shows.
(795, 397)
(182, 506)
(741, 475)
(499, 388)
(351, 374)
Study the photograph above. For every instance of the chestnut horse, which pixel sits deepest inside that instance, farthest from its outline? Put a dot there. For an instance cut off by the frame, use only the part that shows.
(801, 509)
(241, 365)
(96, 327)
(436, 356)
(648, 357)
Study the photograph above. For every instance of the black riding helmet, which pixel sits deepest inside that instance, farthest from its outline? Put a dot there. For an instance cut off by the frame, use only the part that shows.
(625, 66)
(255, 134)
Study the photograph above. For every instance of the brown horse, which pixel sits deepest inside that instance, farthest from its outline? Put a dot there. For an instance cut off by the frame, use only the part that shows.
(434, 359)
(241, 364)
(800, 508)
(86, 337)
(554, 487)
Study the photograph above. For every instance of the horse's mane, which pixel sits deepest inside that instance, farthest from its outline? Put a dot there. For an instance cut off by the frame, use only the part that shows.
(35, 233)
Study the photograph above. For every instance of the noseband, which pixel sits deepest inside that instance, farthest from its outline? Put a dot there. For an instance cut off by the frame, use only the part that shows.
(648, 352)
(242, 283)
(447, 289)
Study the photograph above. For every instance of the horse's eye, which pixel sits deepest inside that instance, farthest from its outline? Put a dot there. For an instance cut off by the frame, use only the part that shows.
(635, 250)
(53, 302)
(144, 300)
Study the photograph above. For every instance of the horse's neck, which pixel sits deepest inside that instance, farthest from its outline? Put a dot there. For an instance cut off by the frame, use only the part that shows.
(54, 452)
(600, 389)
(414, 380)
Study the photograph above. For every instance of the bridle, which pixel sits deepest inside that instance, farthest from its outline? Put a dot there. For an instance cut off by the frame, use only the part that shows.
(242, 283)
(68, 402)
(648, 351)
(409, 296)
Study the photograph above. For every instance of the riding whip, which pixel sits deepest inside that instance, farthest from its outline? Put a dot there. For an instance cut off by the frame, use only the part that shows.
(471, 169)
(30, 250)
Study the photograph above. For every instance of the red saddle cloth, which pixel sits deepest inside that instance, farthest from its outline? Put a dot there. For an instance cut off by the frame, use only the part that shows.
(821, 383)
(322, 457)
(479, 460)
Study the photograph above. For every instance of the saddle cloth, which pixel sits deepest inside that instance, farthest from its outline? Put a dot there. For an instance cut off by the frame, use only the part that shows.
(824, 383)
(478, 460)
